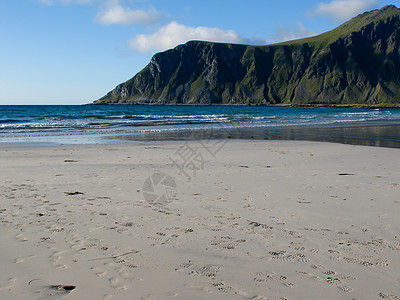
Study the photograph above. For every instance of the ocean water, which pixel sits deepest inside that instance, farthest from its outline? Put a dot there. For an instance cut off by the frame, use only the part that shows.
(100, 123)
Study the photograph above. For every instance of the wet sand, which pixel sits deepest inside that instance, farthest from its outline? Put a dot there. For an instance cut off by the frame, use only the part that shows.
(353, 134)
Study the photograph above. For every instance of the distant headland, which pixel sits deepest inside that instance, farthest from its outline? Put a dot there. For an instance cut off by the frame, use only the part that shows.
(354, 65)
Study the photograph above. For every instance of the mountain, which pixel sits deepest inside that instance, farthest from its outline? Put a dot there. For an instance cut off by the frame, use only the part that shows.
(355, 63)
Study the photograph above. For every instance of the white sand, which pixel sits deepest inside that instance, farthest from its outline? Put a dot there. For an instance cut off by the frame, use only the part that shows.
(261, 220)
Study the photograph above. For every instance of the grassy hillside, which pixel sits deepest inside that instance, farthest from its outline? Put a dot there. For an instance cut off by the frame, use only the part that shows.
(355, 63)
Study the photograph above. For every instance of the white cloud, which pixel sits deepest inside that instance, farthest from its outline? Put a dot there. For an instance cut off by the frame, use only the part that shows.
(114, 13)
(174, 34)
(343, 9)
(288, 34)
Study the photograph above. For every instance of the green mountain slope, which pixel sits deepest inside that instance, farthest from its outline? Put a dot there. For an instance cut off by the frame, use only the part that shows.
(356, 63)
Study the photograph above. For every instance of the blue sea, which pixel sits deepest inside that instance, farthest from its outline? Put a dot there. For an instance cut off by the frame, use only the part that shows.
(101, 123)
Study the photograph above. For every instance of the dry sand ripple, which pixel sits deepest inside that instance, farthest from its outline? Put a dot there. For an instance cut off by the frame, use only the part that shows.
(260, 220)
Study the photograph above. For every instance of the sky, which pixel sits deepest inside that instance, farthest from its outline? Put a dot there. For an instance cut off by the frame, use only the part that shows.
(75, 51)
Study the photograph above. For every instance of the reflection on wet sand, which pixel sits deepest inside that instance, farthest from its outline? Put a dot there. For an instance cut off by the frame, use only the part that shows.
(380, 136)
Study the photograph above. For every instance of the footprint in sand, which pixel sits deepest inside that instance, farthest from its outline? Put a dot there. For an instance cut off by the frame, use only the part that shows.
(230, 246)
(280, 256)
(22, 259)
(47, 240)
(122, 230)
(310, 276)
(267, 276)
(115, 284)
(125, 273)
(394, 246)
(297, 246)
(388, 296)
(57, 229)
(20, 237)
(206, 271)
(366, 263)
(9, 285)
(184, 266)
(55, 257)
(332, 277)
(226, 242)
(223, 288)
(333, 280)
(98, 272)
(76, 243)
(155, 239)
(345, 288)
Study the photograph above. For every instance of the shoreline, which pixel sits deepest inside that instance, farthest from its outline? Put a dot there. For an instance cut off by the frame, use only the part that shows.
(373, 134)
(355, 106)
(88, 125)
(357, 134)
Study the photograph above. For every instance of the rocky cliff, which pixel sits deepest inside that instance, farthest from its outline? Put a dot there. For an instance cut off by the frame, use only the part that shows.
(356, 63)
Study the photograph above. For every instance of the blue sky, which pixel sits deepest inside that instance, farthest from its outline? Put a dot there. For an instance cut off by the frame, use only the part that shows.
(75, 51)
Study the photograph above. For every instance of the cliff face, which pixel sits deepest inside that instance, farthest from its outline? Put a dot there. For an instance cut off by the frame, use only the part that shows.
(356, 63)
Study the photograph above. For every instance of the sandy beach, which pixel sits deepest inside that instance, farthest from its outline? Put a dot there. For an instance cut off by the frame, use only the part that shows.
(219, 219)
